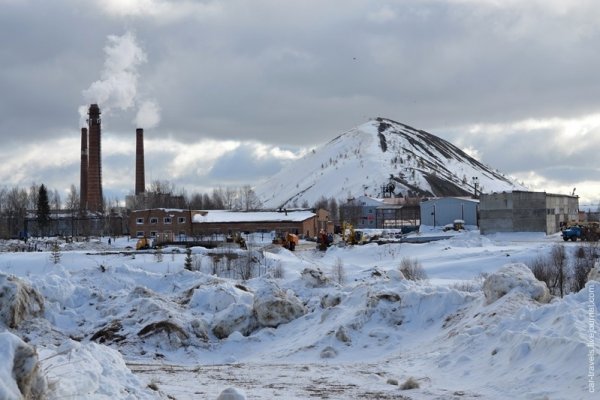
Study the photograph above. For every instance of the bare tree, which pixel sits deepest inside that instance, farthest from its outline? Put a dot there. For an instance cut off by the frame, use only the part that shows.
(54, 200)
(72, 203)
(217, 199)
(162, 187)
(32, 198)
(249, 201)
(321, 203)
(229, 196)
(3, 194)
(17, 201)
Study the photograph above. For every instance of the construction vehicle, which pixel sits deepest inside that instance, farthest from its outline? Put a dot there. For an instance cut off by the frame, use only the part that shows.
(587, 232)
(457, 225)
(143, 244)
(237, 238)
(287, 240)
(324, 240)
(352, 236)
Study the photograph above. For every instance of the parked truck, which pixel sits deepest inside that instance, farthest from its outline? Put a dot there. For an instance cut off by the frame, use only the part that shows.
(589, 232)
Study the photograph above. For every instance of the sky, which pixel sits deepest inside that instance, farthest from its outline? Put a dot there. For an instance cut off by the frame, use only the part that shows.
(229, 91)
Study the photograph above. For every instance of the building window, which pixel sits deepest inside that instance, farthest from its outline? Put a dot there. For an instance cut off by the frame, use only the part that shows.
(167, 220)
(139, 234)
(153, 234)
(153, 220)
(181, 220)
(139, 221)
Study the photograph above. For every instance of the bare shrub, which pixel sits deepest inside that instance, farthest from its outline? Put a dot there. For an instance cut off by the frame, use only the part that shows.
(542, 270)
(585, 257)
(581, 270)
(338, 273)
(278, 272)
(158, 254)
(559, 259)
(412, 269)
(466, 286)
(245, 267)
(410, 383)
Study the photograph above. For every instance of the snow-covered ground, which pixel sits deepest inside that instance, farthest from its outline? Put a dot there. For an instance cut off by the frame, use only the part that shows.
(343, 324)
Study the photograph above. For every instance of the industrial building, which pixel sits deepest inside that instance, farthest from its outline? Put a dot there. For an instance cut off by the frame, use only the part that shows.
(168, 225)
(367, 212)
(445, 210)
(521, 211)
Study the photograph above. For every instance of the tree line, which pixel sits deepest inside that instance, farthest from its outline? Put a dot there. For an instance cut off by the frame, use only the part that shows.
(38, 202)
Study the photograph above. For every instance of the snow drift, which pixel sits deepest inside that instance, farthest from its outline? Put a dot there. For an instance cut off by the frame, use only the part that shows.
(20, 373)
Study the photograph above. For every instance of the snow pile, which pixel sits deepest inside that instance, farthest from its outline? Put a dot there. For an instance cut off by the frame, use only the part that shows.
(20, 376)
(232, 394)
(514, 277)
(274, 307)
(237, 317)
(99, 373)
(18, 301)
(269, 307)
(186, 333)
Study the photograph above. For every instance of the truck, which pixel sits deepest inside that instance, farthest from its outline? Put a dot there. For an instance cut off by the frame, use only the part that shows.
(586, 232)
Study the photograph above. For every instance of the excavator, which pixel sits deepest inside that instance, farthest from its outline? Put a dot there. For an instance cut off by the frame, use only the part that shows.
(287, 240)
(352, 236)
(143, 244)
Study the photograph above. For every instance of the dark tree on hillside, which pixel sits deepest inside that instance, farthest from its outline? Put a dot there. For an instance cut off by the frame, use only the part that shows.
(43, 209)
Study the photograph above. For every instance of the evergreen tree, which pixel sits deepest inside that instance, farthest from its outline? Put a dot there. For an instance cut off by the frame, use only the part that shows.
(188, 259)
(55, 253)
(43, 210)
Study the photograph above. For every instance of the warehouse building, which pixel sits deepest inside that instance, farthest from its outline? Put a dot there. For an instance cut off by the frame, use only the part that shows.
(521, 211)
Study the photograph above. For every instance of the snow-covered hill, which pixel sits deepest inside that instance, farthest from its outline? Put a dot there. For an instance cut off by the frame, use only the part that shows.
(369, 157)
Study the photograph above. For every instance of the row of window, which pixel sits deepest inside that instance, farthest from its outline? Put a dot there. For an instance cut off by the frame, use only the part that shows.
(165, 234)
(154, 220)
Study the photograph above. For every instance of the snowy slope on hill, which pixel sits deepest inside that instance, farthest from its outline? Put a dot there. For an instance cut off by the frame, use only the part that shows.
(379, 152)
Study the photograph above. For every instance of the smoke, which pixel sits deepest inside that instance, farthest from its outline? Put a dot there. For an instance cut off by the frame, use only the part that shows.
(118, 86)
(148, 115)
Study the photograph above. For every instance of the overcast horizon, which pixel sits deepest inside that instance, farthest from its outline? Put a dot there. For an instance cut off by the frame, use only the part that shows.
(230, 91)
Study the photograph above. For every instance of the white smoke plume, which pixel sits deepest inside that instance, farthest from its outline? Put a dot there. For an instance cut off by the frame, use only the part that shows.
(148, 115)
(118, 86)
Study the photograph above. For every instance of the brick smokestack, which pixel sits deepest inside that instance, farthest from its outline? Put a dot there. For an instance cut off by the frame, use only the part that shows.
(94, 182)
(140, 182)
(84, 170)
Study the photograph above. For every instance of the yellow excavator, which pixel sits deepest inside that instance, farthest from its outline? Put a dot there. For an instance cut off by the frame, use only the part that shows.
(142, 244)
(287, 240)
(352, 236)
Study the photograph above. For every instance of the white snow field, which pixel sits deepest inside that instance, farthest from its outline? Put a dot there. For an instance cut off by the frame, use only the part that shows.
(106, 323)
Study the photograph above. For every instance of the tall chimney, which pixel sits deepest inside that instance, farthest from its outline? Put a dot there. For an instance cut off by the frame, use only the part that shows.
(83, 179)
(94, 183)
(140, 182)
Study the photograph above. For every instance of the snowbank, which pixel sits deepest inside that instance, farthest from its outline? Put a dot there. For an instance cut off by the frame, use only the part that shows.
(92, 371)
(20, 376)
(18, 301)
(274, 307)
(514, 277)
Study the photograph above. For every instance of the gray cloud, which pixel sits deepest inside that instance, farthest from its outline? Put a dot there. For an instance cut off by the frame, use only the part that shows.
(299, 73)
(242, 165)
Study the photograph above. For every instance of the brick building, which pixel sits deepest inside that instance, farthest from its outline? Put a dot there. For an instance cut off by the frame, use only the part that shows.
(166, 225)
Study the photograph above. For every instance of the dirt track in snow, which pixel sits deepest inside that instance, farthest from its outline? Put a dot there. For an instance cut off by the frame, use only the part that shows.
(286, 381)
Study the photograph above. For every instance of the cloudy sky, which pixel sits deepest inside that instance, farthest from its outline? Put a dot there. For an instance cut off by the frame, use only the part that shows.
(228, 91)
